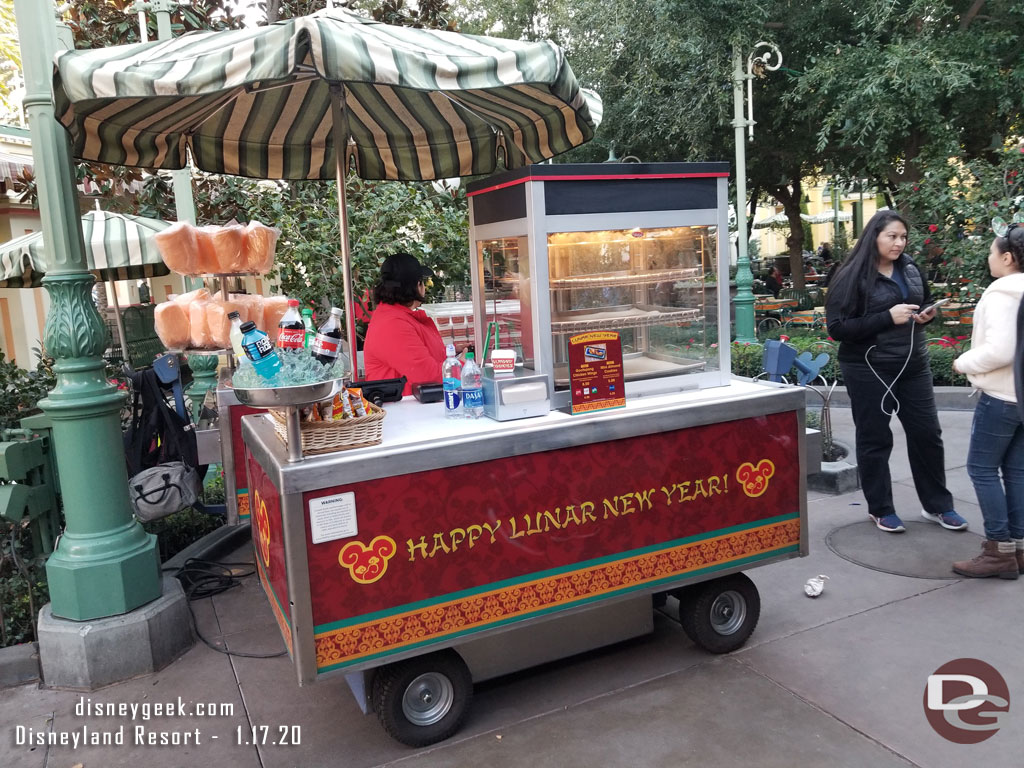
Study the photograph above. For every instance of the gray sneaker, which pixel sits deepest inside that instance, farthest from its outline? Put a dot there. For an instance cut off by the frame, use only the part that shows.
(950, 520)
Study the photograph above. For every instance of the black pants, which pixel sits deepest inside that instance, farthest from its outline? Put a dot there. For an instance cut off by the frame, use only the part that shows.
(917, 413)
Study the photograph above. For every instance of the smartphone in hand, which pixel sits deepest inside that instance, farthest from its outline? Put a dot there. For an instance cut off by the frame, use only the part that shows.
(933, 305)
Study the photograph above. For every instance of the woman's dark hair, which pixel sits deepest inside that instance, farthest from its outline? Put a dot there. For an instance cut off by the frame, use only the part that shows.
(394, 292)
(849, 287)
(1013, 243)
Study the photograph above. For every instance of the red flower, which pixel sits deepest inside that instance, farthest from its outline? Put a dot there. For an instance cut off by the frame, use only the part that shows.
(933, 228)
(916, 188)
(927, 240)
(783, 337)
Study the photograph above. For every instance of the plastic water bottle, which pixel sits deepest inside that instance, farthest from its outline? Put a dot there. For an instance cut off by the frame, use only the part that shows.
(472, 388)
(260, 351)
(235, 334)
(307, 320)
(451, 375)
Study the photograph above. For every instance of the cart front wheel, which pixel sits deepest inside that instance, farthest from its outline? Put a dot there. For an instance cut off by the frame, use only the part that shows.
(720, 615)
(422, 701)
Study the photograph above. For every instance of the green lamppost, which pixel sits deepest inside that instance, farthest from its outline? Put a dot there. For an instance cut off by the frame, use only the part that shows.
(756, 64)
(104, 563)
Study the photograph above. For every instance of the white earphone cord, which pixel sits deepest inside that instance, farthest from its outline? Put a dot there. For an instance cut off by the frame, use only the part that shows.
(888, 387)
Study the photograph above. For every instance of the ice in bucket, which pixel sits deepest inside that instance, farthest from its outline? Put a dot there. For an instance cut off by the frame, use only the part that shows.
(503, 361)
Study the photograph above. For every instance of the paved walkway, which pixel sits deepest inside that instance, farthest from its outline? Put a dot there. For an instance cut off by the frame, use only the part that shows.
(837, 681)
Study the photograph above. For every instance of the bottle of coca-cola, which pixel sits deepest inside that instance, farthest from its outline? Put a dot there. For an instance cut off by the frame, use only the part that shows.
(327, 344)
(291, 332)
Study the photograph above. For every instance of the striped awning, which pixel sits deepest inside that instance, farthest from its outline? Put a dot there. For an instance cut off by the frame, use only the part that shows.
(117, 247)
(11, 165)
(419, 104)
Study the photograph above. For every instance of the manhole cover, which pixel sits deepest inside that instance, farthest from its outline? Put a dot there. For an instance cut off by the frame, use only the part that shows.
(923, 551)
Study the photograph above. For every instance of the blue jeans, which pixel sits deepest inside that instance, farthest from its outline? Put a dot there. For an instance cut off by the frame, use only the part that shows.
(997, 443)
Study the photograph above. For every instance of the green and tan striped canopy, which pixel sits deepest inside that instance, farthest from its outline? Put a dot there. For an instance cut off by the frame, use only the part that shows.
(117, 247)
(419, 104)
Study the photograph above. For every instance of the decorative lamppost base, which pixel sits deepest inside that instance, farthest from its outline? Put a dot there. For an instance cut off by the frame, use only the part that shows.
(109, 650)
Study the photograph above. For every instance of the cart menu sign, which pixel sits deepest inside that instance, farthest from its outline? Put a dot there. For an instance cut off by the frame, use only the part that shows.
(595, 371)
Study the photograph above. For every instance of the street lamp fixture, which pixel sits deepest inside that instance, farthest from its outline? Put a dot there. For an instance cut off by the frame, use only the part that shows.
(765, 57)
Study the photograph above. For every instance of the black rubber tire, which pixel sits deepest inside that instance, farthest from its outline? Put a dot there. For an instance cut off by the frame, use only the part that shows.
(721, 614)
(443, 676)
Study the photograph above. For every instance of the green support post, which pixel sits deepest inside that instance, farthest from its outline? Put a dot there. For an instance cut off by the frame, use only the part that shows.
(105, 564)
(204, 377)
(743, 303)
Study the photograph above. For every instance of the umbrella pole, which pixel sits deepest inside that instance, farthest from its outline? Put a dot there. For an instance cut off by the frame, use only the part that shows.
(340, 135)
(119, 322)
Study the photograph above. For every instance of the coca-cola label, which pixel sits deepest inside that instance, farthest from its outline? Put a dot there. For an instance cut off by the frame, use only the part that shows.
(326, 345)
(291, 338)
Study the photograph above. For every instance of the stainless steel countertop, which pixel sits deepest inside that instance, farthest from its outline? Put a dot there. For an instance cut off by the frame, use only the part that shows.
(418, 437)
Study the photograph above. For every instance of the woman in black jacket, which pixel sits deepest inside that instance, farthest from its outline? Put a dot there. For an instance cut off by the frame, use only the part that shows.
(873, 311)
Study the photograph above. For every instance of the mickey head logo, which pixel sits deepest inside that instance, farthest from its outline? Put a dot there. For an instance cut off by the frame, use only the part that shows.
(754, 480)
(366, 564)
(263, 530)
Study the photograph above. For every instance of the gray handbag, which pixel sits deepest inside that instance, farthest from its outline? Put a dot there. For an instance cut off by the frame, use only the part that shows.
(163, 490)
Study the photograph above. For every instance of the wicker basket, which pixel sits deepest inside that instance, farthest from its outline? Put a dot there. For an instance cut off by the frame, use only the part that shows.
(330, 436)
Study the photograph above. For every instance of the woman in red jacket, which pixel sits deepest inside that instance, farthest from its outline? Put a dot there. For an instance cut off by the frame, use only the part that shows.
(401, 340)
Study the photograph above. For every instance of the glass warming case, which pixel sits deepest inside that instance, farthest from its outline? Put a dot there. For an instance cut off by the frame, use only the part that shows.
(560, 250)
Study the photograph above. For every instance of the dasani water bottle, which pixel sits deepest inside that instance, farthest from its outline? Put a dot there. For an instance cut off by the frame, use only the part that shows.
(472, 388)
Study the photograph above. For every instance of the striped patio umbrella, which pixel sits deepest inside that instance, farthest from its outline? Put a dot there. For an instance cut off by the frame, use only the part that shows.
(117, 247)
(278, 101)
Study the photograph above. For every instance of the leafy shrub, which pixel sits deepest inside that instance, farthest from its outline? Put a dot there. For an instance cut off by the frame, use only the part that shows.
(23, 588)
(21, 390)
(177, 531)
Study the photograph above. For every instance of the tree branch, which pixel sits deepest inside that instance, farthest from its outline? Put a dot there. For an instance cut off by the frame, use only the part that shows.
(972, 12)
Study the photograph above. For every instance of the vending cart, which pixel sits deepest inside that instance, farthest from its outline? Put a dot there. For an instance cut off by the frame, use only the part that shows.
(458, 550)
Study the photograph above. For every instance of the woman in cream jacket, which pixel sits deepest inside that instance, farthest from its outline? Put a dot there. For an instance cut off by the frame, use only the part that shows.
(997, 433)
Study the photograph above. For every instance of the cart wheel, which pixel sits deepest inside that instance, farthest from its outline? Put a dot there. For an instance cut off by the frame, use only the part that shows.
(422, 700)
(719, 615)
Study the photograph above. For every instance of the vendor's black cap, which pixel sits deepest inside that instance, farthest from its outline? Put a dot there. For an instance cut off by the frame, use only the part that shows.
(404, 269)
(246, 327)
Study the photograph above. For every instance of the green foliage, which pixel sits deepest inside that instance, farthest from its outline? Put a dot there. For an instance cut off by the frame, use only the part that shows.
(384, 217)
(10, 53)
(747, 359)
(21, 390)
(23, 588)
(177, 531)
(951, 208)
(943, 348)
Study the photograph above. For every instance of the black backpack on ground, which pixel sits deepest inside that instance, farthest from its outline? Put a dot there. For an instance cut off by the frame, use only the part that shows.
(160, 453)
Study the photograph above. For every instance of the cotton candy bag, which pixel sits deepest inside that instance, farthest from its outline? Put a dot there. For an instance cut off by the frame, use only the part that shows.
(178, 248)
(171, 320)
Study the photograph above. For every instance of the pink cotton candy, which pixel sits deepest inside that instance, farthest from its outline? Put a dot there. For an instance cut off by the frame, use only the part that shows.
(218, 323)
(261, 242)
(172, 324)
(251, 307)
(178, 248)
(199, 330)
(274, 308)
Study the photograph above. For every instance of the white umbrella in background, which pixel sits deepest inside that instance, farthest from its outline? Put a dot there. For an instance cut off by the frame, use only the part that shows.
(117, 247)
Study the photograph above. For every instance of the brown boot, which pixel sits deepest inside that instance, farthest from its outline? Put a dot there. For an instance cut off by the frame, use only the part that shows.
(1019, 544)
(997, 558)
